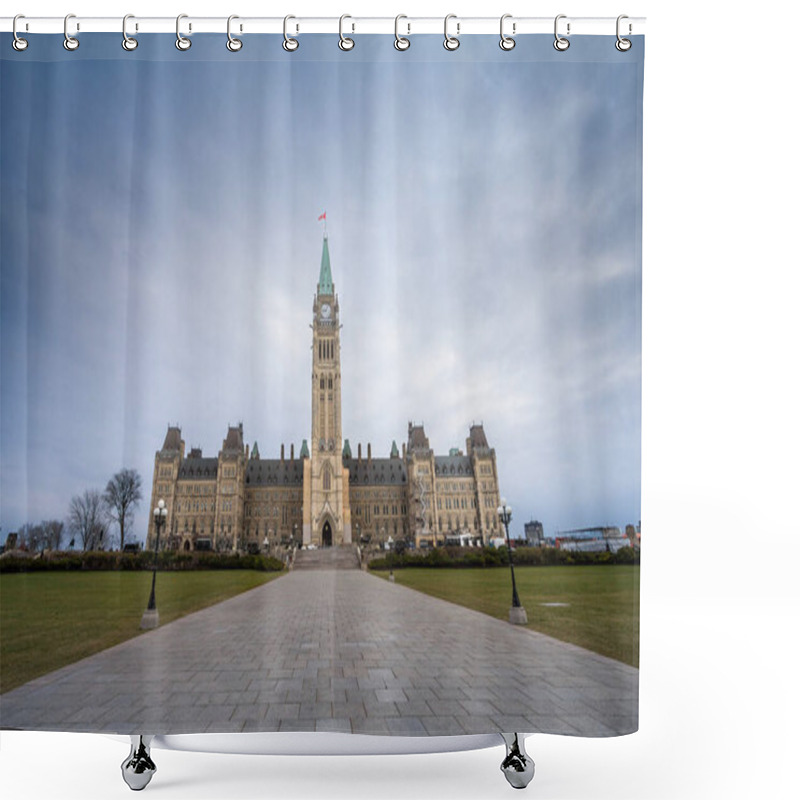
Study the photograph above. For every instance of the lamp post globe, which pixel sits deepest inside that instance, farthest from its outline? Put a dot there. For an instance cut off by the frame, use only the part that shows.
(150, 616)
(516, 614)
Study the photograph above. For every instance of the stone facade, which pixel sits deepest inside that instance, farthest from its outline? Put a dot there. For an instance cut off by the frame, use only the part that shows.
(325, 495)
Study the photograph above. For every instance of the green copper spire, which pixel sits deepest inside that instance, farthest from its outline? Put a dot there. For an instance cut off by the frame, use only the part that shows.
(395, 453)
(304, 449)
(346, 451)
(255, 454)
(325, 285)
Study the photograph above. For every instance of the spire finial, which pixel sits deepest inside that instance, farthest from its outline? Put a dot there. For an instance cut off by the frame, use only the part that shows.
(325, 284)
(324, 217)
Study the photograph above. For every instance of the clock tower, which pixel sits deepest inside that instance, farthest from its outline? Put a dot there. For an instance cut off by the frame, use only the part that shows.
(326, 507)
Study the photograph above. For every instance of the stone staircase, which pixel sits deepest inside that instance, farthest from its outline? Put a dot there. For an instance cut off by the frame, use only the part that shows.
(344, 556)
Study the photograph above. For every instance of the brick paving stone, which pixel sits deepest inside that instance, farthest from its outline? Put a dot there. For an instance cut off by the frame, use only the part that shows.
(316, 710)
(406, 726)
(509, 723)
(414, 708)
(284, 710)
(302, 725)
(255, 726)
(381, 709)
(391, 696)
(302, 653)
(335, 725)
(442, 726)
(347, 709)
(369, 725)
(476, 725)
(415, 695)
(235, 726)
(446, 708)
(250, 711)
(480, 707)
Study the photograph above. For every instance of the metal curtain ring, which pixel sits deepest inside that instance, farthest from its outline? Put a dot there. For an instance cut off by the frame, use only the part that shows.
(70, 42)
(181, 42)
(450, 42)
(128, 42)
(233, 44)
(345, 43)
(507, 42)
(400, 42)
(561, 44)
(623, 45)
(289, 44)
(18, 42)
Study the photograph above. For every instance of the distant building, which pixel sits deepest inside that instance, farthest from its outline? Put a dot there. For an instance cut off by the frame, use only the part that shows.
(534, 533)
(592, 540)
(326, 495)
(634, 535)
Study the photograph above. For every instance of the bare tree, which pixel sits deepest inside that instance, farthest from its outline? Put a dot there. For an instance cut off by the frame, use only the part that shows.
(53, 533)
(86, 519)
(46, 535)
(122, 495)
(31, 537)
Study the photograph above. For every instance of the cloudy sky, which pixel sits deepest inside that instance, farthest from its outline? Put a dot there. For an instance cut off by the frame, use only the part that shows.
(161, 250)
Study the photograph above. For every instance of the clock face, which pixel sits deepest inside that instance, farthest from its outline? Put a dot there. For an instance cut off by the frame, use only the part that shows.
(325, 311)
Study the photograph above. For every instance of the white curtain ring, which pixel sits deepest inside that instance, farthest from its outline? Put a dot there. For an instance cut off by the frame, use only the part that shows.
(401, 42)
(18, 43)
(289, 44)
(345, 43)
(450, 42)
(70, 42)
(507, 42)
(233, 44)
(128, 42)
(623, 45)
(561, 43)
(181, 42)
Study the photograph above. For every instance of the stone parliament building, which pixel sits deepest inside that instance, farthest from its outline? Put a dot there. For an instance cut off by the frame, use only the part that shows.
(325, 495)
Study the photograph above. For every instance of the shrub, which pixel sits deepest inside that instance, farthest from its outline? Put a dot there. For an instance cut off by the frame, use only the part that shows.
(168, 561)
(465, 557)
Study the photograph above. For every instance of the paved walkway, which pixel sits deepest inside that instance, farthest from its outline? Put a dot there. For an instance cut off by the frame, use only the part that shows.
(334, 651)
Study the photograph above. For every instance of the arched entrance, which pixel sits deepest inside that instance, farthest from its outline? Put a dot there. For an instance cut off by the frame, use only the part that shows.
(327, 535)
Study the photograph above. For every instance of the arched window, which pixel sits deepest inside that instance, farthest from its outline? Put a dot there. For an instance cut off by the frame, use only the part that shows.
(326, 478)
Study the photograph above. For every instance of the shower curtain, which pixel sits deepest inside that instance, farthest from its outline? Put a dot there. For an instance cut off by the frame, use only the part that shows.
(320, 384)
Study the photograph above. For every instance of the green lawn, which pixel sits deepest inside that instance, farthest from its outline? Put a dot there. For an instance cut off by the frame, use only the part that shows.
(603, 610)
(51, 619)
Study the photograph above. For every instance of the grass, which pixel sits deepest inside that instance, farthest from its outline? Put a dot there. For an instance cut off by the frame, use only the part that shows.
(51, 619)
(603, 610)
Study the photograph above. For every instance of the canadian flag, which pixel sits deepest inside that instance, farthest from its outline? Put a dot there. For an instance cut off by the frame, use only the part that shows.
(323, 215)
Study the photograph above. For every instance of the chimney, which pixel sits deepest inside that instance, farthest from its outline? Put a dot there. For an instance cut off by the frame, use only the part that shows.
(247, 452)
(404, 451)
(359, 452)
(291, 451)
(369, 453)
(282, 452)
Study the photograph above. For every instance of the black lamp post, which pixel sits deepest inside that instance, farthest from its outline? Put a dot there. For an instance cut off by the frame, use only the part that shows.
(516, 614)
(150, 616)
